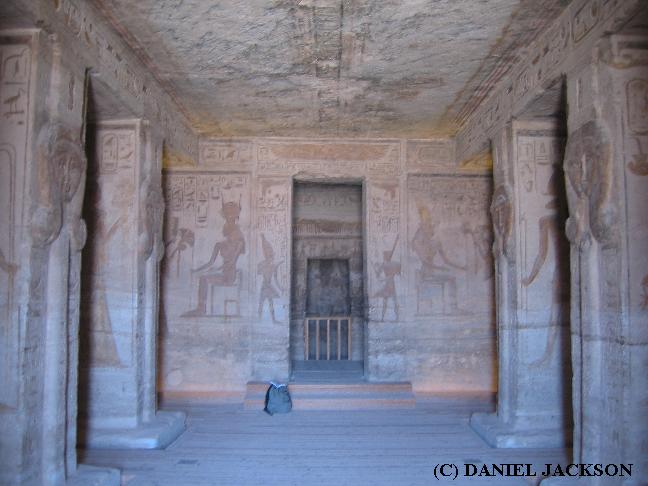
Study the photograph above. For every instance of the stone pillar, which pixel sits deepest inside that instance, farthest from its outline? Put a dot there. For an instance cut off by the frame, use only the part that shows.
(607, 183)
(124, 211)
(43, 176)
(531, 251)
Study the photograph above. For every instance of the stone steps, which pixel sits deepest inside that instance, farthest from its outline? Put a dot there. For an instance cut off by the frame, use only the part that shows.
(337, 396)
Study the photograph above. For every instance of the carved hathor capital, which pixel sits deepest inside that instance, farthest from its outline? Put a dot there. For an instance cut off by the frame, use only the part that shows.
(588, 167)
(61, 171)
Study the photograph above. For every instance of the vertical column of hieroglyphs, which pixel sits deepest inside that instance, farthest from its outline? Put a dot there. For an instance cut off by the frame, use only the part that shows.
(15, 59)
(542, 267)
(205, 276)
(109, 269)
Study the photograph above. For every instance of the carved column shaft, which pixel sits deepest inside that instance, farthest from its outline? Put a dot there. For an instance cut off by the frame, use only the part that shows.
(119, 323)
(607, 186)
(531, 264)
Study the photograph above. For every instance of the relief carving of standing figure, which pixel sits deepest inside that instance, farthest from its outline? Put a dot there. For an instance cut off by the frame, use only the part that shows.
(550, 232)
(267, 268)
(390, 270)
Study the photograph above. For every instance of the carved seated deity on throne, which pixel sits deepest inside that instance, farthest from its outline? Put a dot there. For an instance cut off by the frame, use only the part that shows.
(432, 277)
(226, 275)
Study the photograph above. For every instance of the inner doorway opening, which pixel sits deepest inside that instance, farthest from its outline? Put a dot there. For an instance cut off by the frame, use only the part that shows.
(327, 292)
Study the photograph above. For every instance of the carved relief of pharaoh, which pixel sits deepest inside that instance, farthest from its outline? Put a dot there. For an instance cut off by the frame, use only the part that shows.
(60, 186)
(502, 215)
(588, 167)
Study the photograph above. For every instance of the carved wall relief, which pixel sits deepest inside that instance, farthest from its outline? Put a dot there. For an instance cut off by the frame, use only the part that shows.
(430, 156)
(152, 211)
(207, 255)
(449, 243)
(109, 272)
(384, 258)
(273, 252)
(502, 215)
(588, 167)
(15, 73)
(543, 252)
(637, 114)
(328, 159)
(226, 154)
(632, 76)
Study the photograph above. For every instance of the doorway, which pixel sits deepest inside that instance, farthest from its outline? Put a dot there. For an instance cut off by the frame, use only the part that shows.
(327, 289)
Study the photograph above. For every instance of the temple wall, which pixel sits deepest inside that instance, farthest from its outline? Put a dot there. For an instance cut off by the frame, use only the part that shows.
(428, 308)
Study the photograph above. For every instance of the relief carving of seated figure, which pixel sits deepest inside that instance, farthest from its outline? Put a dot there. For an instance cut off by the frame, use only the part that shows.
(427, 247)
(229, 249)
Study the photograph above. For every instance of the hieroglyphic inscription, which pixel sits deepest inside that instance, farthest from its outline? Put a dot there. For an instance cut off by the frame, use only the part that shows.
(15, 62)
(430, 155)
(637, 118)
(449, 242)
(226, 154)
(110, 58)
(117, 149)
(329, 159)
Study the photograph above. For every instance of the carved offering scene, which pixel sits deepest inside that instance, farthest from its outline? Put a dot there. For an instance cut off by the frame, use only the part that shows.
(450, 295)
(327, 294)
(206, 275)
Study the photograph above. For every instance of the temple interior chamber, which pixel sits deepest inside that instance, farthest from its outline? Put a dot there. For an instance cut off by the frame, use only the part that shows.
(427, 219)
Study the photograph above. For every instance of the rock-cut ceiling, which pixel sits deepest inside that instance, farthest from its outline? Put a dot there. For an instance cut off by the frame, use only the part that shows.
(319, 68)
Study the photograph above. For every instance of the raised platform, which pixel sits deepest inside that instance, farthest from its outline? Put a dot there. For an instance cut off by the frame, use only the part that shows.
(337, 396)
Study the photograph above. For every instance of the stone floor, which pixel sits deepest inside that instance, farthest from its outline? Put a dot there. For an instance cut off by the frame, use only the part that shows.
(226, 445)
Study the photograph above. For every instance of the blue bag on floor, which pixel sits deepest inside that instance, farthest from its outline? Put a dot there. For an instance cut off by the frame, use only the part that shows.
(277, 399)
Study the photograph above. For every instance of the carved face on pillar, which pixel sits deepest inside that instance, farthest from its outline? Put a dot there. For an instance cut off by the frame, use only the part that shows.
(61, 180)
(502, 215)
(589, 174)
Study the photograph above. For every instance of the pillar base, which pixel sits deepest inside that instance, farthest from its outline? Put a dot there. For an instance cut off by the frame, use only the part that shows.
(536, 434)
(156, 434)
(94, 476)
